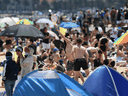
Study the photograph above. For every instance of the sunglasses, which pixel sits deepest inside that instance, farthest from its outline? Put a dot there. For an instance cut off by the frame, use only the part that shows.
(17, 50)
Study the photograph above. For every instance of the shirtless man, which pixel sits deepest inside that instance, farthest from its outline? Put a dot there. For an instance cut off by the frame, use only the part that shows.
(80, 61)
(95, 31)
(56, 55)
(69, 57)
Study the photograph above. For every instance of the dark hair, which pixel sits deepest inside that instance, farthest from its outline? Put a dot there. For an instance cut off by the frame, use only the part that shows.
(112, 63)
(61, 50)
(98, 36)
(44, 28)
(41, 30)
(51, 52)
(85, 43)
(67, 34)
(59, 37)
(96, 28)
(106, 62)
(113, 8)
(79, 40)
(31, 46)
(120, 47)
(77, 34)
(32, 40)
(8, 54)
(97, 63)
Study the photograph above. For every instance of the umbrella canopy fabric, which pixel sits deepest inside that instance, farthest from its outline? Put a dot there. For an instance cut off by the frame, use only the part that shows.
(25, 21)
(123, 39)
(53, 34)
(22, 31)
(44, 21)
(47, 83)
(10, 21)
(68, 25)
(2, 25)
(105, 81)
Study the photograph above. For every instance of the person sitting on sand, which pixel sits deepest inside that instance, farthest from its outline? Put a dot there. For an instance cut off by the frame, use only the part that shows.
(56, 55)
(120, 53)
(50, 65)
(112, 64)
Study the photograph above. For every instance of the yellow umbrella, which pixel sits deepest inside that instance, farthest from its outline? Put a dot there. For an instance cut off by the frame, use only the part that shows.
(24, 21)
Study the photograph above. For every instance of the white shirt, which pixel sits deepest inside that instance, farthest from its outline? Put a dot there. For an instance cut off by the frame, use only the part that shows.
(100, 29)
(114, 32)
(110, 43)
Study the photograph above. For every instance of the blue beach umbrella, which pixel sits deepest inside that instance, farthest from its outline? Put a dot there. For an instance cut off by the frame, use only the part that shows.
(68, 25)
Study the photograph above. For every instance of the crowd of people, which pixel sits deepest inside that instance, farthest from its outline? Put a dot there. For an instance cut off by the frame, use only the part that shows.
(77, 51)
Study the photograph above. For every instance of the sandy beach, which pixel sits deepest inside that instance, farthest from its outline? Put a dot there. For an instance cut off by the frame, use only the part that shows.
(119, 69)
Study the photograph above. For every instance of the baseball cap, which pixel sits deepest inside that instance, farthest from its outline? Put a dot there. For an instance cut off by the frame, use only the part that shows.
(55, 49)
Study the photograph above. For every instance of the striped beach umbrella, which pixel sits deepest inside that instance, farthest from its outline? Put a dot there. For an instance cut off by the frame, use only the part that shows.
(123, 39)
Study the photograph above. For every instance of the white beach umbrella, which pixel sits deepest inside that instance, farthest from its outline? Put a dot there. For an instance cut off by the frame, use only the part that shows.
(10, 21)
(44, 21)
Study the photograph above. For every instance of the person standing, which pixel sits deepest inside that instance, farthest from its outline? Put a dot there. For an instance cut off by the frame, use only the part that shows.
(126, 17)
(19, 51)
(27, 63)
(89, 17)
(46, 43)
(10, 73)
(113, 32)
(79, 53)
(113, 15)
(119, 18)
(32, 43)
(106, 17)
(86, 29)
(96, 18)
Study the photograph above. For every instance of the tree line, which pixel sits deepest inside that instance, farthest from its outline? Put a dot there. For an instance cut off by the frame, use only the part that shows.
(67, 4)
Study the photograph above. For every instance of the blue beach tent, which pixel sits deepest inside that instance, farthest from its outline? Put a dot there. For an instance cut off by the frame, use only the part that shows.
(47, 83)
(73, 86)
(105, 81)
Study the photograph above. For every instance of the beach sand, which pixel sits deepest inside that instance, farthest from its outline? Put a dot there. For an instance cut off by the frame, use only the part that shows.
(119, 69)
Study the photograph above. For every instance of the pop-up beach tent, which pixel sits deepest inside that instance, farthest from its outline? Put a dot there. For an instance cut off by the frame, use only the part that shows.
(105, 81)
(48, 83)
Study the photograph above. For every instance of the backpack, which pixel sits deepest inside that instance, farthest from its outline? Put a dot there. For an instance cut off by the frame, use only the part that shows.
(113, 14)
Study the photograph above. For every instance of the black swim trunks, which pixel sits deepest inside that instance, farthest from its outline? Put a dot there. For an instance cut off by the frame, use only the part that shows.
(70, 65)
(80, 62)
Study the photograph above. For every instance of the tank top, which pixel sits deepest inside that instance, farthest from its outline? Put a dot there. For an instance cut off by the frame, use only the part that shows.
(119, 16)
(126, 15)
